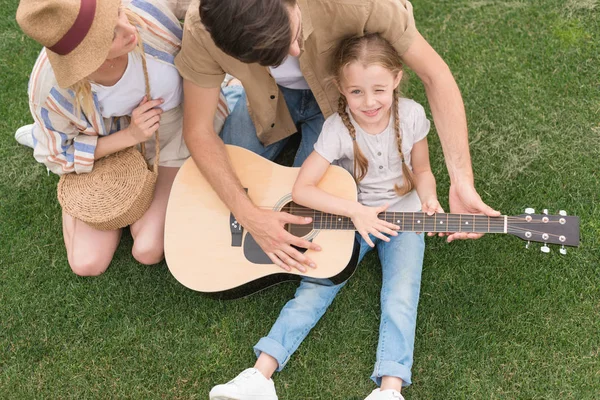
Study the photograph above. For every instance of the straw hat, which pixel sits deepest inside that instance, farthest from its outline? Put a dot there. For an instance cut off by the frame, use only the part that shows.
(77, 34)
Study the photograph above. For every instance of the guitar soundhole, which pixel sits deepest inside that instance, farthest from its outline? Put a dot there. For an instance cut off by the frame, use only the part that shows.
(296, 209)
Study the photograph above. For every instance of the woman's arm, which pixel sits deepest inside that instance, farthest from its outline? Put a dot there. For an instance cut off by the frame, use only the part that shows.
(59, 145)
(63, 148)
(145, 120)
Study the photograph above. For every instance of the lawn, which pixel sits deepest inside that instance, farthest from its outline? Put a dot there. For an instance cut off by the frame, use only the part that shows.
(496, 321)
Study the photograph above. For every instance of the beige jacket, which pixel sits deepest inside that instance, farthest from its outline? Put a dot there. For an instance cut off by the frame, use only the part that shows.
(324, 23)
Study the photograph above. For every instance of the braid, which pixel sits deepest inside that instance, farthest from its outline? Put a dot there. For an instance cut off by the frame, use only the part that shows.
(408, 179)
(361, 165)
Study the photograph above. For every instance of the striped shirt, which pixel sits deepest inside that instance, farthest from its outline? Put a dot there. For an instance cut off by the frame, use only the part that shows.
(65, 139)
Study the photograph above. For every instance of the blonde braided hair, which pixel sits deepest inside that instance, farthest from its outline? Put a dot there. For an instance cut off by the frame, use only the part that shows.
(371, 49)
(361, 164)
(408, 183)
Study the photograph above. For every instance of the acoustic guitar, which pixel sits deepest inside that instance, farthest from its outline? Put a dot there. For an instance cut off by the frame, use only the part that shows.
(207, 250)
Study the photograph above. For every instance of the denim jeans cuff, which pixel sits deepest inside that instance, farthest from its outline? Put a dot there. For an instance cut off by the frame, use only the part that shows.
(274, 349)
(391, 368)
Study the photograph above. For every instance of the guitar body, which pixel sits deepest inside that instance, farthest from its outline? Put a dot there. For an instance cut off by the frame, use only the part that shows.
(206, 250)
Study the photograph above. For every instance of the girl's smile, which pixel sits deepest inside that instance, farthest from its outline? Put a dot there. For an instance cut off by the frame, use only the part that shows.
(372, 113)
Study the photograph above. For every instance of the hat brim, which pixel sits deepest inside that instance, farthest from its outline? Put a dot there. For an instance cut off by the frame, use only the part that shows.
(89, 55)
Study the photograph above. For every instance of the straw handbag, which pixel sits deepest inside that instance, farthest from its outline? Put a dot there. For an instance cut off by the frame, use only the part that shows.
(118, 190)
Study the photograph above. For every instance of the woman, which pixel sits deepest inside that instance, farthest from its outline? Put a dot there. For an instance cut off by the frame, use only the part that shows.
(87, 78)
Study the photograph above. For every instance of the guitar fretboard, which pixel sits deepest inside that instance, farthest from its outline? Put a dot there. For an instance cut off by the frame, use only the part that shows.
(420, 222)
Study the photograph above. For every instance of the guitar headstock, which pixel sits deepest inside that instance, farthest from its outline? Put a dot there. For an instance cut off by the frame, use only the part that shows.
(548, 229)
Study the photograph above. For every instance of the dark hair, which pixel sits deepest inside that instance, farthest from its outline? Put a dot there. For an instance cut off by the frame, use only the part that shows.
(252, 31)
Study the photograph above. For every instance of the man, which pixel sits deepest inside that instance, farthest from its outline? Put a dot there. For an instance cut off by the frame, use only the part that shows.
(280, 50)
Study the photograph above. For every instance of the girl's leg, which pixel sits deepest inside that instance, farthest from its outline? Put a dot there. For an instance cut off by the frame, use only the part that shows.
(401, 262)
(149, 231)
(295, 321)
(89, 250)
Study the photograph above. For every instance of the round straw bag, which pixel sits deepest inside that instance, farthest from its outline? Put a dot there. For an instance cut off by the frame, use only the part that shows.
(118, 190)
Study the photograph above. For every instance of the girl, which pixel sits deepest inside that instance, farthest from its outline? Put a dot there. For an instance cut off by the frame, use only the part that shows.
(381, 139)
(90, 75)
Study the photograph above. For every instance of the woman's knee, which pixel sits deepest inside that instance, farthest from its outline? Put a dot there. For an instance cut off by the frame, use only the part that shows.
(148, 251)
(89, 264)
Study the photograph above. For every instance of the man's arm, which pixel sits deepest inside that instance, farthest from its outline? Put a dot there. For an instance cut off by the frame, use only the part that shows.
(210, 155)
(207, 149)
(451, 123)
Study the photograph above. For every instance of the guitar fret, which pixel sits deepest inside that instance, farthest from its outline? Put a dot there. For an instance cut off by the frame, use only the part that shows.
(427, 224)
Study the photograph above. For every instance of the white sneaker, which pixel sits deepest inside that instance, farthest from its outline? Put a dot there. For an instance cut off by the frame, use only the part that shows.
(251, 384)
(24, 135)
(389, 394)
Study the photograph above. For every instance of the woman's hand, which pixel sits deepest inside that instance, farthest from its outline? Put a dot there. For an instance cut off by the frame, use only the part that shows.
(366, 222)
(145, 120)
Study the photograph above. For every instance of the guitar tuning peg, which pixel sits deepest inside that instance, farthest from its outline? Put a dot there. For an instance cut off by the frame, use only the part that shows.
(562, 213)
(545, 211)
(563, 250)
(529, 210)
(527, 245)
(545, 249)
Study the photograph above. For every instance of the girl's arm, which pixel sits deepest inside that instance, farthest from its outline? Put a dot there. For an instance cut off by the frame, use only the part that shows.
(424, 179)
(306, 193)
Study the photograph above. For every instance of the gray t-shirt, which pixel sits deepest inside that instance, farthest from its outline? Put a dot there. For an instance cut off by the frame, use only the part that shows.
(381, 150)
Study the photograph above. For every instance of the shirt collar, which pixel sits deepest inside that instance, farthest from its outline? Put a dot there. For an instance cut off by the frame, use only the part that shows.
(307, 27)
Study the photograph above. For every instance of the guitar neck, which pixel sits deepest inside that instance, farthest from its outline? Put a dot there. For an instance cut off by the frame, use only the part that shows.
(421, 222)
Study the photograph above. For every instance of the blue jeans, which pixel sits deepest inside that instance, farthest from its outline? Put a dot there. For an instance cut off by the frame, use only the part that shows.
(239, 129)
(401, 262)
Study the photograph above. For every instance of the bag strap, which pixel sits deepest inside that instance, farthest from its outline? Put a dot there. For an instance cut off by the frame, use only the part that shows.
(143, 144)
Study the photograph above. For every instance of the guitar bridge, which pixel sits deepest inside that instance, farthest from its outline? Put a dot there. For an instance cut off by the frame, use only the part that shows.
(236, 231)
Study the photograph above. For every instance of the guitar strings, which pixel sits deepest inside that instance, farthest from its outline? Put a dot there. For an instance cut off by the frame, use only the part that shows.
(305, 212)
(492, 222)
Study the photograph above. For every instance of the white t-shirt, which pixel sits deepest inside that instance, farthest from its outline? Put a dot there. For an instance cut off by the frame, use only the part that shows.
(381, 150)
(125, 95)
(289, 74)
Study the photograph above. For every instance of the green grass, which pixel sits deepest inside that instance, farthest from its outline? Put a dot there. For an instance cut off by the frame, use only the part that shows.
(495, 321)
